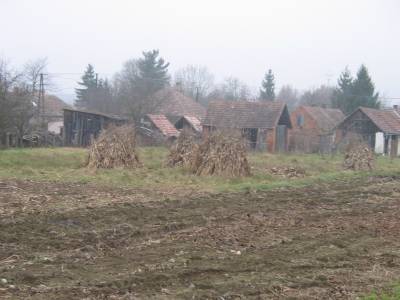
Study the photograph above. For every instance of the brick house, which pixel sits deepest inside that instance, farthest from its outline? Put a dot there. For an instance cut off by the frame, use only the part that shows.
(380, 128)
(264, 124)
(313, 128)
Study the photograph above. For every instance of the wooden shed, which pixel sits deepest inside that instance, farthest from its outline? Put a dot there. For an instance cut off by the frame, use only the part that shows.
(264, 124)
(313, 128)
(156, 130)
(380, 128)
(190, 123)
(81, 126)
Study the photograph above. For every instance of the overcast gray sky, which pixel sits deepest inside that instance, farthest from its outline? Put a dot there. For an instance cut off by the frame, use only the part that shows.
(306, 43)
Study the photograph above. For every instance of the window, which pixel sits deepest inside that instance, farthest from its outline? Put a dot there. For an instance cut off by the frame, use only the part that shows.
(300, 120)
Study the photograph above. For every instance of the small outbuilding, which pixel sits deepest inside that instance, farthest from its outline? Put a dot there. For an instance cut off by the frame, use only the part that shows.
(313, 128)
(81, 126)
(190, 123)
(174, 105)
(379, 128)
(156, 130)
(264, 124)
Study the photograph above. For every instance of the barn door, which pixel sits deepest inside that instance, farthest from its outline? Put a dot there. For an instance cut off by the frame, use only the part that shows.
(281, 138)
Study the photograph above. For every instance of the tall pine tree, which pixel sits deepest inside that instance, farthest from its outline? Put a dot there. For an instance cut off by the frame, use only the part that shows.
(153, 74)
(267, 91)
(88, 84)
(364, 90)
(342, 96)
(353, 93)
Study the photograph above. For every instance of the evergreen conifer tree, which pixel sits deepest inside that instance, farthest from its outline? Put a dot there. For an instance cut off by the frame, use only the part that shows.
(342, 96)
(364, 90)
(88, 83)
(267, 91)
(152, 75)
(353, 93)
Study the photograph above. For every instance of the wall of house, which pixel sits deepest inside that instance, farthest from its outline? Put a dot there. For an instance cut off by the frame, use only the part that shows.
(358, 127)
(81, 127)
(55, 126)
(304, 137)
(379, 142)
(270, 140)
(266, 138)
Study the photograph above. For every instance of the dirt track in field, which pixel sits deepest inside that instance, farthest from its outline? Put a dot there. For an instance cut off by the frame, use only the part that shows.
(69, 241)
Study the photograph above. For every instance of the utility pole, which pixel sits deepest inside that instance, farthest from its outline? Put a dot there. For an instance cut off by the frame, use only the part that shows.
(41, 104)
(197, 94)
(97, 78)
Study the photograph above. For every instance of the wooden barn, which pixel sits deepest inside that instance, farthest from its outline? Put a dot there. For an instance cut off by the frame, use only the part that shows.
(313, 128)
(81, 126)
(190, 123)
(156, 130)
(380, 128)
(264, 124)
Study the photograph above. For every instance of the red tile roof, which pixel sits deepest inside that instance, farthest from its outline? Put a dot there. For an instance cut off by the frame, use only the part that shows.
(174, 103)
(54, 106)
(244, 114)
(164, 125)
(194, 122)
(387, 120)
(326, 118)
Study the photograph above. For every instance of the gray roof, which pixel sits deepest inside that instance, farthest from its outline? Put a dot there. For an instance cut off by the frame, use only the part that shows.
(244, 114)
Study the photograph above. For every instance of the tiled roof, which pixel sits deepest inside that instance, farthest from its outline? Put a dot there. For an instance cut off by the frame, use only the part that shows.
(54, 106)
(326, 118)
(174, 103)
(387, 120)
(194, 122)
(243, 114)
(164, 125)
(92, 112)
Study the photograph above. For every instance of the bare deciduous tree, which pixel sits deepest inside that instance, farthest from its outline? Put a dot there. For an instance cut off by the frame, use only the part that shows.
(32, 70)
(15, 101)
(321, 96)
(128, 97)
(289, 95)
(232, 89)
(195, 81)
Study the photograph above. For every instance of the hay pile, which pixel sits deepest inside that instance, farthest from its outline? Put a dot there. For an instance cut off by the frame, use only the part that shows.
(114, 148)
(288, 172)
(221, 154)
(184, 150)
(359, 157)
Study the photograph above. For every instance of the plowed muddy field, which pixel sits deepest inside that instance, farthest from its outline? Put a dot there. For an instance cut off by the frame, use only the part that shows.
(82, 241)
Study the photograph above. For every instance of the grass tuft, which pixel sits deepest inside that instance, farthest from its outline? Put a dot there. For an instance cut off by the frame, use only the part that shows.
(66, 164)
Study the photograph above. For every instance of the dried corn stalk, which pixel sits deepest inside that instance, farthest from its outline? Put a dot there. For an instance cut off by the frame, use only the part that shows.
(114, 148)
(359, 157)
(183, 150)
(221, 153)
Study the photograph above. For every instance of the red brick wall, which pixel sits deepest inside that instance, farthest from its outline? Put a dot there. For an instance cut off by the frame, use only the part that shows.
(305, 138)
(270, 140)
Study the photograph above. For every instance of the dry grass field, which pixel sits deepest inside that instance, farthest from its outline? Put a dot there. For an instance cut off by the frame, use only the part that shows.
(299, 228)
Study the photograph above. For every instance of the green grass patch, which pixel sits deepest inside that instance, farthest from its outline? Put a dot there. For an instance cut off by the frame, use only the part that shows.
(393, 293)
(68, 164)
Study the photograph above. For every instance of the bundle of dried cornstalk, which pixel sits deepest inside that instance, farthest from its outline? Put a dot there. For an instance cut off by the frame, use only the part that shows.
(288, 172)
(359, 157)
(114, 148)
(183, 151)
(221, 153)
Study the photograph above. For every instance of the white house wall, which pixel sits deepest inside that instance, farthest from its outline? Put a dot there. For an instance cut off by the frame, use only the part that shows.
(379, 142)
